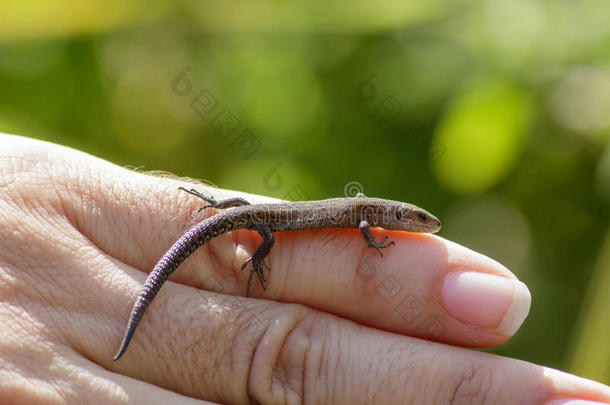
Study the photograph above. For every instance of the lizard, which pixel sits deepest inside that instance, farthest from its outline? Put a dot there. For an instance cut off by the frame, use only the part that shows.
(359, 212)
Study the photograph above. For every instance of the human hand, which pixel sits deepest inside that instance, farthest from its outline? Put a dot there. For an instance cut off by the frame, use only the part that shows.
(338, 324)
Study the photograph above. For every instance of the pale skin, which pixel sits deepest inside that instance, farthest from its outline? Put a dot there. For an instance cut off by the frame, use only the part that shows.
(78, 236)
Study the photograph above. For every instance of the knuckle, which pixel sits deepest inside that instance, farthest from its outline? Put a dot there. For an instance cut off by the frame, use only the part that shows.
(288, 357)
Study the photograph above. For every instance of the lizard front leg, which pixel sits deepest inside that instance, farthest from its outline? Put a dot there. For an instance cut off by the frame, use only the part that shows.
(365, 230)
(258, 258)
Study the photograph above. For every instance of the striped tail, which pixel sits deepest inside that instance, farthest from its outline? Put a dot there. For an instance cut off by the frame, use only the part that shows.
(180, 250)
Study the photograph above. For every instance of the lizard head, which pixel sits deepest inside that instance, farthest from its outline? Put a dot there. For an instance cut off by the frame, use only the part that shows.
(408, 217)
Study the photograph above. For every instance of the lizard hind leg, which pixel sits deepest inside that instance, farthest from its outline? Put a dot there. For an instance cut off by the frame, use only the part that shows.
(214, 203)
(258, 258)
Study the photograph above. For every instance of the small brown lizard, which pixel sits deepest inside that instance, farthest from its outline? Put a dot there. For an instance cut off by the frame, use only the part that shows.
(357, 212)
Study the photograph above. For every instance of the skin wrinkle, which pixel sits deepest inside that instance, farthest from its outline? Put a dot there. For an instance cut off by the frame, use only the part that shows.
(30, 251)
(25, 281)
(7, 178)
(16, 163)
(275, 365)
(70, 376)
(272, 333)
(234, 367)
(200, 338)
(374, 392)
(226, 361)
(8, 284)
(7, 207)
(36, 311)
(67, 312)
(140, 211)
(232, 363)
(247, 324)
(299, 331)
(171, 352)
(318, 375)
(281, 365)
(376, 372)
(251, 372)
(47, 210)
(105, 203)
(184, 328)
(73, 216)
(73, 191)
(13, 321)
(306, 367)
(52, 282)
(27, 390)
(341, 366)
(30, 345)
(55, 185)
(462, 394)
(398, 364)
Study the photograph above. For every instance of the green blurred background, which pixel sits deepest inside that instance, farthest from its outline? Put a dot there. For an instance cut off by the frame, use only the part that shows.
(493, 115)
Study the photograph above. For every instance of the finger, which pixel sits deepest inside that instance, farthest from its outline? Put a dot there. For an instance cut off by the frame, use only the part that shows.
(424, 286)
(233, 350)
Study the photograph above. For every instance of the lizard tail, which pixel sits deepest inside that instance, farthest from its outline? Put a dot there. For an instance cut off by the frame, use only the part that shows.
(151, 287)
(181, 249)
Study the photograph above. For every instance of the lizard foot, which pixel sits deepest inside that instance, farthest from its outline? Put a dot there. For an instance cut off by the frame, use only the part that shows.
(257, 267)
(381, 244)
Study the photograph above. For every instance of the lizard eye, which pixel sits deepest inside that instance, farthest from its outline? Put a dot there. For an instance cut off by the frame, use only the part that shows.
(399, 215)
(422, 217)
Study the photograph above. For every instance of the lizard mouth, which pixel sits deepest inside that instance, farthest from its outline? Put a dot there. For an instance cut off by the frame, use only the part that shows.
(433, 226)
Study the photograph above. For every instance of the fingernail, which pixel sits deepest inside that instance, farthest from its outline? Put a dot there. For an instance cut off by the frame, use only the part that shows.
(486, 301)
(573, 401)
